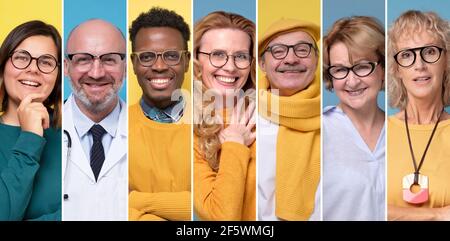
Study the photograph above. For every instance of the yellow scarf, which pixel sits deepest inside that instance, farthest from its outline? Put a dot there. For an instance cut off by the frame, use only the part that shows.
(298, 148)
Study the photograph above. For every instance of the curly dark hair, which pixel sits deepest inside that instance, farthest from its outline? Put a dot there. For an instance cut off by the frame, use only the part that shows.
(159, 17)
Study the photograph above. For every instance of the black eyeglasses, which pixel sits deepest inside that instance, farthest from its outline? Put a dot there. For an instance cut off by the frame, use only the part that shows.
(280, 51)
(21, 59)
(219, 58)
(360, 69)
(169, 57)
(429, 54)
(84, 61)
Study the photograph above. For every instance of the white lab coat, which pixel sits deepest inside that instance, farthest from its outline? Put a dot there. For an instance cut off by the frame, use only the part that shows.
(87, 199)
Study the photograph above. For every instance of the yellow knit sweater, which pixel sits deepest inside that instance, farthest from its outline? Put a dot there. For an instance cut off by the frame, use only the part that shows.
(230, 193)
(436, 164)
(159, 168)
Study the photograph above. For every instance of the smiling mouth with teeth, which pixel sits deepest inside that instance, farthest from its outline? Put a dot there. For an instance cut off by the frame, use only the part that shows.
(293, 71)
(226, 79)
(356, 92)
(30, 83)
(96, 84)
(160, 81)
(422, 79)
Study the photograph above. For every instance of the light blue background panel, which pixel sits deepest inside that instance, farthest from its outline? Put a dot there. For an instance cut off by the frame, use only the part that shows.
(78, 11)
(334, 10)
(397, 7)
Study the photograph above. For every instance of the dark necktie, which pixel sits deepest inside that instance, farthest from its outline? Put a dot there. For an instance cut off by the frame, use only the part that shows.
(97, 151)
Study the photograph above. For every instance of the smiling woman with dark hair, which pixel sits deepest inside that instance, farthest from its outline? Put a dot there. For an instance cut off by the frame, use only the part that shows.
(30, 147)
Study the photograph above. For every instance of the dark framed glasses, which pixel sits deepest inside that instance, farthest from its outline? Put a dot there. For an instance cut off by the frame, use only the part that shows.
(280, 51)
(219, 58)
(84, 61)
(21, 59)
(429, 54)
(360, 69)
(169, 57)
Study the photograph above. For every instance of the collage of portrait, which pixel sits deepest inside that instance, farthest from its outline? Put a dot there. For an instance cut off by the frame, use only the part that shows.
(208, 110)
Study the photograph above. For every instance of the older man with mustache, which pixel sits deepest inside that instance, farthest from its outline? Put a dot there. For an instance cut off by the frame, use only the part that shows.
(289, 122)
(95, 164)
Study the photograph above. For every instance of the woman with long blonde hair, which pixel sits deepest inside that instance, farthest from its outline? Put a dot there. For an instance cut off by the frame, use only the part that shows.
(224, 126)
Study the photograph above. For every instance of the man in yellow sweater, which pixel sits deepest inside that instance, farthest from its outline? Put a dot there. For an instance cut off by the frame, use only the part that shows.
(159, 134)
(289, 122)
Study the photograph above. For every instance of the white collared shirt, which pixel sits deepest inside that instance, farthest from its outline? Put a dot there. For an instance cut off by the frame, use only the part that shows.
(353, 176)
(83, 124)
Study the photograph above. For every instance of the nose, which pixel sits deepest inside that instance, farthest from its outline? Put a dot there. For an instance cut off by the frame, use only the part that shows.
(229, 65)
(419, 64)
(33, 67)
(97, 70)
(352, 80)
(159, 64)
(291, 58)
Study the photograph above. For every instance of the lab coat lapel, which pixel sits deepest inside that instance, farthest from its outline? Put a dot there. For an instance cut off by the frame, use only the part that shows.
(119, 146)
(78, 157)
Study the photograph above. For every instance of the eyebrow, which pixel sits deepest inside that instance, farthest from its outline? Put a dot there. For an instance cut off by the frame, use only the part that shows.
(152, 50)
(362, 61)
(299, 42)
(235, 52)
(32, 55)
(425, 45)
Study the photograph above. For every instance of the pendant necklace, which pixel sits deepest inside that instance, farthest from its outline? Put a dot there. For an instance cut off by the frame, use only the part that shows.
(416, 178)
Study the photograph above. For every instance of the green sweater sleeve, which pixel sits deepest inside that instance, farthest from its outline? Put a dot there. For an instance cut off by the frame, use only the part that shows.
(56, 216)
(16, 179)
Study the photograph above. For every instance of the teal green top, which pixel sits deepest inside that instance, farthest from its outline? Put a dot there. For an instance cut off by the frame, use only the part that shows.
(30, 174)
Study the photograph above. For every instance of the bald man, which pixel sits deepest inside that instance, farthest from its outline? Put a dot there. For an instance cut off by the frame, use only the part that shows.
(95, 127)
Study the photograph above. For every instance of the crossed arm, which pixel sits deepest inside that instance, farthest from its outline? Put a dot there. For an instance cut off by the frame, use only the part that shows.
(418, 214)
(159, 206)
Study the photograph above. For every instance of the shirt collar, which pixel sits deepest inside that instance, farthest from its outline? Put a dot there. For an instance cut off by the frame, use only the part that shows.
(170, 114)
(83, 124)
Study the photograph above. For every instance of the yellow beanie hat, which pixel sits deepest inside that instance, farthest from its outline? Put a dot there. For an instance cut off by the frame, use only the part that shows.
(284, 26)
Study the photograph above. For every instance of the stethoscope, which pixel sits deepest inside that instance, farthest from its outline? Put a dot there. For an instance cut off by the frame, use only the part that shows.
(69, 147)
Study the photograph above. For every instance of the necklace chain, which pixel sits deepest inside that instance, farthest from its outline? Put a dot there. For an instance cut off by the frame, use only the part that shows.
(417, 168)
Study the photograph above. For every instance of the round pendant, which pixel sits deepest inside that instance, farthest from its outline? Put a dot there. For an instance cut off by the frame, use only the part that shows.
(419, 197)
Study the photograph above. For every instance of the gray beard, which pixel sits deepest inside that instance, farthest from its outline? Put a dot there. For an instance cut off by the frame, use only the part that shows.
(95, 107)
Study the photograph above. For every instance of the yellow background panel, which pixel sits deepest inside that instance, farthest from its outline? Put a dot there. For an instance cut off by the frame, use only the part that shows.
(270, 11)
(16, 12)
(135, 7)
